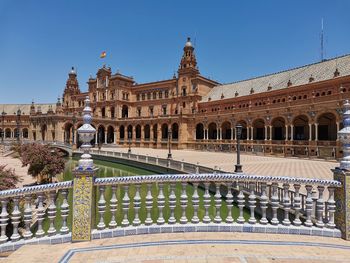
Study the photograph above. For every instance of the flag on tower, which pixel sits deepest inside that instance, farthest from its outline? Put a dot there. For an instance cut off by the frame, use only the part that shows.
(103, 54)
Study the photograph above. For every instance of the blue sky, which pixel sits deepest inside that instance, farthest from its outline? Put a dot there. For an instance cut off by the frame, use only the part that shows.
(235, 40)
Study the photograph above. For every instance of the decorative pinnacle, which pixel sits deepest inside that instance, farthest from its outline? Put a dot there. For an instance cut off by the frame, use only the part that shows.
(344, 137)
(86, 134)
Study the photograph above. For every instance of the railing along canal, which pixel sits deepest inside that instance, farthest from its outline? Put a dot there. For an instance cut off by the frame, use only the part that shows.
(269, 210)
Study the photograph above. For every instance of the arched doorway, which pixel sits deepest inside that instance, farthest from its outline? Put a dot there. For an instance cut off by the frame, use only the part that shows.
(138, 132)
(164, 131)
(327, 127)
(7, 133)
(110, 134)
(68, 128)
(43, 131)
(199, 131)
(301, 128)
(226, 130)
(259, 129)
(121, 132)
(175, 131)
(25, 133)
(244, 129)
(147, 131)
(278, 129)
(212, 131)
(155, 132)
(101, 135)
(124, 111)
(129, 135)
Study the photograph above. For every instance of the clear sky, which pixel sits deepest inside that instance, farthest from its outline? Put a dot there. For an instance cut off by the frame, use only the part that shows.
(235, 40)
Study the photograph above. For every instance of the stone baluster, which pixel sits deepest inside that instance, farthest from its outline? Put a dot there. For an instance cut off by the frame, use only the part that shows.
(27, 215)
(126, 203)
(113, 203)
(137, 206)
(206, 201)
(229, 201)
(240, 201)
(4, 218)
(217, 197)
(195, 203)
(161, 203)
(309, 205)
(101, 208)
(263, 203)
(149, 204)
(52, 213)
(172, 204)
(64, 212)
(286, 204)
(274, 203)
(197, 168)
(320, 207)
(297, 205)
(331, 207)
(252, 203)
(15, 218)
(183, 202)
(40, 216)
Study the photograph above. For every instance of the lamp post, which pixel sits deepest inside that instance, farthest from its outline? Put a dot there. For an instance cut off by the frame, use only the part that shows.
(238, 166)
(18, 125)
(74, 119)
(169, 144)
(3, 126)
(129, 141)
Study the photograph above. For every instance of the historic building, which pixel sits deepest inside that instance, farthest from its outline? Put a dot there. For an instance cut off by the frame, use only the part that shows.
(293, 112)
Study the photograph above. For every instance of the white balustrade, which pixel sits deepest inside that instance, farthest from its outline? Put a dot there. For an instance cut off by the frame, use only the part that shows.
(101, 208)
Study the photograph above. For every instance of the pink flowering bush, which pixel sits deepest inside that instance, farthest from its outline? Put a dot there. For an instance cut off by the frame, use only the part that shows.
(8, 178)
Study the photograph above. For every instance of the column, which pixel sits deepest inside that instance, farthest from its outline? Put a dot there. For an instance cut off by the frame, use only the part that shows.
(217, 134)
(105, 137)
(126, 135)
(316, 131)
(151, 136)
(235, 136)
(231, 134)
(248, 133)
(291, 132)
(115, 137)
(310, 132)
(220, 135)
(265, 133)
(286, 133)
(270, 132)
(142, 133)
(338, 126)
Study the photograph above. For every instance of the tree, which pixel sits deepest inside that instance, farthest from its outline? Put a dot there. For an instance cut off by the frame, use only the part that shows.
(8, 178)
(44, 162)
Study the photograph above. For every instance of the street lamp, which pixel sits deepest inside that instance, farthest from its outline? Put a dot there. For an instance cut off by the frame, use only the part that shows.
(169, 144)
(3, 126)
(238, 166)
(129, 139)
(74, 119)
(18, 124)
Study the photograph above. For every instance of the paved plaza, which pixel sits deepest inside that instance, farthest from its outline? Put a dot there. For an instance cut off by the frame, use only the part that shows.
(252, 164)
(191, 247)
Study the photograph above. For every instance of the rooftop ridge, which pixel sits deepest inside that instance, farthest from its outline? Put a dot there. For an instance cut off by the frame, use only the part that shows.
(283, 71)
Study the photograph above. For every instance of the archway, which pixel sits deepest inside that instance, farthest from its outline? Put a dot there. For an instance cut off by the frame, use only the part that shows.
(101, 134)
(7, 133)
(212, 131)
(244, 129)
(259, 129)
(121, 132)
(175, 131)
(164, 131)
(68, 127)
(43, 131)
(327, 127)
(110, 134)
(226, 130)
(278, 129)
(155, 131)
(147, 131)
(301, 128)
(125, 111)
(129, 135)
(138, 132)
(199, 131)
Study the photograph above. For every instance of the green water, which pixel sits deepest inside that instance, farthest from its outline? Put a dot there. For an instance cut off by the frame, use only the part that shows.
(108, 169)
